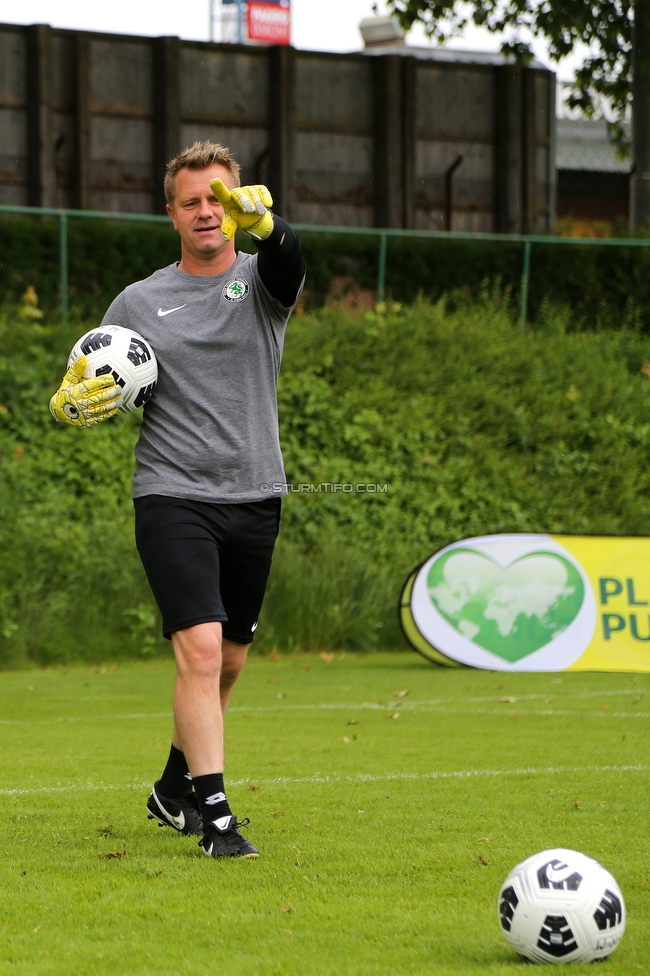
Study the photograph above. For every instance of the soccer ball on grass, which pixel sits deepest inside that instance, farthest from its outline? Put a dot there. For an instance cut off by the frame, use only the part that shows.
(561, 906)
(125, 354)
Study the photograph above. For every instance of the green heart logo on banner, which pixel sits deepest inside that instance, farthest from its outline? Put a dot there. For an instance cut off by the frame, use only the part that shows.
(512, 610)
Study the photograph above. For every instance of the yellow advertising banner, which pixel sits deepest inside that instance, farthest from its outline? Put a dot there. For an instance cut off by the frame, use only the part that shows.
(533, 603)
(618, 570)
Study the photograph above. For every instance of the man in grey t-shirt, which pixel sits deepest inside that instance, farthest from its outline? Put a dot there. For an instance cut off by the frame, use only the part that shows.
(207, 453)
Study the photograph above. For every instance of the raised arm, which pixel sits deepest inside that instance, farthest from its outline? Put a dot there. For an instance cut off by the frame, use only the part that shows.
(280, 263)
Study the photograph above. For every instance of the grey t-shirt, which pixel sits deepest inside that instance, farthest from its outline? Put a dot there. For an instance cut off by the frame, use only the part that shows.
(210, 430)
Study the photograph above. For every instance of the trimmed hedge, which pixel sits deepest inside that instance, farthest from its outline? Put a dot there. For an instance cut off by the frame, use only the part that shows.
(602, 286)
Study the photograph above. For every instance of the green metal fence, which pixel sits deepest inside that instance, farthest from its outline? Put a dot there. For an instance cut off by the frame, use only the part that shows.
(383, 234)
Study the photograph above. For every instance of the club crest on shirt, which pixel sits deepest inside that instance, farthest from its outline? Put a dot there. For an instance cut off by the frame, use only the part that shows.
(236, 290)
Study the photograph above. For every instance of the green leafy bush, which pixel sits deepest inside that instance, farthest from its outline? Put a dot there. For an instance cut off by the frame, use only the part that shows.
(473, 427)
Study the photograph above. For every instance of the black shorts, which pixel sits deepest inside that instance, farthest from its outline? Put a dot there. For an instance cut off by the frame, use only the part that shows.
(206, 561)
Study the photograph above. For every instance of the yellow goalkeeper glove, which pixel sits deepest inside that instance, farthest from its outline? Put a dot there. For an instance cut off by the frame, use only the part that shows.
(84, 403)
(244, 208)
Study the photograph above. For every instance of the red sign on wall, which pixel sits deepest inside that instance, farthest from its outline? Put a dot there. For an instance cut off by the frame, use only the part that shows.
(269, 22)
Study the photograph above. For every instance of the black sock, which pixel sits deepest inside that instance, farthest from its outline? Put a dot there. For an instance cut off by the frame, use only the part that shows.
(175, 780)
(211, 794)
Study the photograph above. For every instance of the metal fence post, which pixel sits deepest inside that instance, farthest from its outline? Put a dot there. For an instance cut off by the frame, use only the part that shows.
(63, 265)
(525, 275)
(381, 274)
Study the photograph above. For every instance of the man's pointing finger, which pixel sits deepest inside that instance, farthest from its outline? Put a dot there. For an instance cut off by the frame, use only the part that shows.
(221, 192)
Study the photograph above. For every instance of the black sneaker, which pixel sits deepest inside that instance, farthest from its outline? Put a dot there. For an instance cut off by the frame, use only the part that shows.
(222, 839)
(182, 813)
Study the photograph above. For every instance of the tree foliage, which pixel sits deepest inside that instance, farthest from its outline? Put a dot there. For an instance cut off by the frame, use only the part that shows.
(604, 26)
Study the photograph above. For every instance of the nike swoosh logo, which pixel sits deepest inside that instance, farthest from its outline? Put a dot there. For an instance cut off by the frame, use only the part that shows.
(178, 821)
(168, 311)
(223, 822)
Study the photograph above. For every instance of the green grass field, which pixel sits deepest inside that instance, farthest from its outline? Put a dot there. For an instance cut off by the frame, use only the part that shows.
(386, 821)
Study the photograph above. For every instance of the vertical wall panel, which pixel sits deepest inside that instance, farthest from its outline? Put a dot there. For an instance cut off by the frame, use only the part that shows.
(63, 130)
(167, 121)
(389, 145)
(41, 159)
(282, 129)
(82, 171)
(455, 114)
(544, 217)
(121, 125)
(409, 123)
(509, 149)
(334, 140)
(224, 94)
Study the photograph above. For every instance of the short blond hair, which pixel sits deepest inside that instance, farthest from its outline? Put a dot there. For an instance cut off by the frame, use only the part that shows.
(200, 156)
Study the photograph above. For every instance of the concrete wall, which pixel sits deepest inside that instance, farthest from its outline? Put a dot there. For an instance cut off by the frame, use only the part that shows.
(89, 121)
